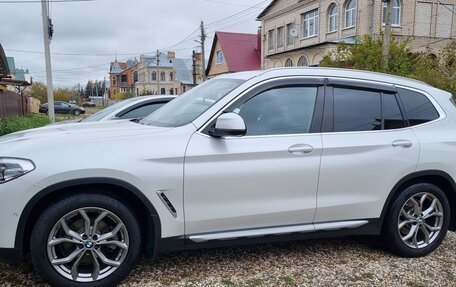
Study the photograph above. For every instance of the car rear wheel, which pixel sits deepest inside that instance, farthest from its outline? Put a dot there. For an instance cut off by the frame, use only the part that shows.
(418, 221)
(76, 112)
(85, 240)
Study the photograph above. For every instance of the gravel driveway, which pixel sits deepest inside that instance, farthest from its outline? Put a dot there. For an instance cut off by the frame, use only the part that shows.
(330, 262)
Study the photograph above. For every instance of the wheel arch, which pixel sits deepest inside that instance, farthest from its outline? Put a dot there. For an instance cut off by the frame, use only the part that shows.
(122, 190)
(437, 177)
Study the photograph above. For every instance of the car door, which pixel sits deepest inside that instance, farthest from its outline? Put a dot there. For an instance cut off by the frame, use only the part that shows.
(367, 148)
(267, 178)
(58, 108)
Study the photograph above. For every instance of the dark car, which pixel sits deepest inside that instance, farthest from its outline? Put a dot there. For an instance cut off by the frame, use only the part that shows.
(89, 104)
(63, 108)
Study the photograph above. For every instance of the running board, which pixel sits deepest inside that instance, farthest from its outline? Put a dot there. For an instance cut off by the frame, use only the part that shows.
(306, 228)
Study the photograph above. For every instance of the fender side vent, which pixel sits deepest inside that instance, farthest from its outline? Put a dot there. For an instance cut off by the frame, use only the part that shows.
(167, 203)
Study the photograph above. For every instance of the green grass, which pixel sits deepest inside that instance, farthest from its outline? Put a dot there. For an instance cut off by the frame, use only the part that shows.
(15, 124)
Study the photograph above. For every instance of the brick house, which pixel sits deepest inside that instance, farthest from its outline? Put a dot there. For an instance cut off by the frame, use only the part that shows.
(123, 76)
(300, 32)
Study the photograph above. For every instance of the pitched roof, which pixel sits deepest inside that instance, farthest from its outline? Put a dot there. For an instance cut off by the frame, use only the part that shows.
(117, 67)
(184, 70)
(241, 51)
(4, 69)
(266, 10)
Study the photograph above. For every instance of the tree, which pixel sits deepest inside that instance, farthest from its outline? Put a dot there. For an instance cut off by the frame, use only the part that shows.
(439, 71)
(38, 90)
(62, 94)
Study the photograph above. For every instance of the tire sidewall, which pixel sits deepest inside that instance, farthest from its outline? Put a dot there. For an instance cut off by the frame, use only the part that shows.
(55, 212)
(394, 240)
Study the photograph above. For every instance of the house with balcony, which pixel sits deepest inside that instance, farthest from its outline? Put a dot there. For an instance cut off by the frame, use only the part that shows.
(301, 32)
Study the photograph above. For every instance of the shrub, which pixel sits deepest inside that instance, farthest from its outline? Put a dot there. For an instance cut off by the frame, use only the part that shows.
(15, 124)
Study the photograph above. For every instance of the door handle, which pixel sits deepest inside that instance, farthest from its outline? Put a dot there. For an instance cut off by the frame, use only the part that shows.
(402, 143)
(300, 149)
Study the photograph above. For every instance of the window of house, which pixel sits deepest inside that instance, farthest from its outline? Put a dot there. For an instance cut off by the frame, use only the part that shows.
(171, 76)
(332, 18)
(356, 110)
(417, 107)
(124, 78)
(310, 23)
(220, 58)
(271, 39)
(154, 76)
(280, 37)
(162, 91)
(283, 110)
(171, 91)
(289, 63)
(396, 17)
(350, 14)
(290, 36)
(302, 62)
(135, 76)
(162, 76)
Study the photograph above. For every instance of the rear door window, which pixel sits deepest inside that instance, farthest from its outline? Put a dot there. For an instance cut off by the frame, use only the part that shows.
(357, 110)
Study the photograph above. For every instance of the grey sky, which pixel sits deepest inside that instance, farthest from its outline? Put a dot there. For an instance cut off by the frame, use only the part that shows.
(88, 33)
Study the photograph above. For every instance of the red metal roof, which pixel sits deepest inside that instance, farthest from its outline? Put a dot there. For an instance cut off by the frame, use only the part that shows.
(241, 51)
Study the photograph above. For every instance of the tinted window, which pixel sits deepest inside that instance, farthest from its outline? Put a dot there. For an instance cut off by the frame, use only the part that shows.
(392, 115)
(143, 111)
(356, 110)
(286, 110)
(417, 107)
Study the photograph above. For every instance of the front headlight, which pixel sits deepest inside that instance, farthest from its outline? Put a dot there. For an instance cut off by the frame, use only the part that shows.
(11, 168)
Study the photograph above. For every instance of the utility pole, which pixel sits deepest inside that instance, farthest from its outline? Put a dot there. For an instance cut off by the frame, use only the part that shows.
(158, 72)
(47, 35)
(194, 68)
(203, 52)
(96, 88)
(387, 36)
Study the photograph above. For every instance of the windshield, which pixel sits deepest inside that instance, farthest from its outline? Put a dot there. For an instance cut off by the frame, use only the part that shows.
(190, 105)
(106, 111)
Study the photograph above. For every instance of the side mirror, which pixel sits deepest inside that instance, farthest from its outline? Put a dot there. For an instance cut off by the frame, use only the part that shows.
(229, 124)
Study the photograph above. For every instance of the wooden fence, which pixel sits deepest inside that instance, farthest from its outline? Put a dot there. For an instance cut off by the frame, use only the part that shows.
(13, 104)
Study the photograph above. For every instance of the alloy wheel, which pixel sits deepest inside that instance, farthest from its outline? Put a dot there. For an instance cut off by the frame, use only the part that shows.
(88, 244)
(420, 220)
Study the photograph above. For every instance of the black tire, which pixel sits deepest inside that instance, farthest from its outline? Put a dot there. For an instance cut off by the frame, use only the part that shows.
(76, 112)
(69, 208)
(410, 219)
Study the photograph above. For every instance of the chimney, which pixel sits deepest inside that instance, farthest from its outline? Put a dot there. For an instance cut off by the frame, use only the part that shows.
(171, 55)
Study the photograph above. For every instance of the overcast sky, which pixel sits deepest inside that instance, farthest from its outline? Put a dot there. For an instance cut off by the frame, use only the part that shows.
(87, 34)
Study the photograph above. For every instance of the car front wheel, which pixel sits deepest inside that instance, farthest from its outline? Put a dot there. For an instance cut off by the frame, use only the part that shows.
(85, 240)
(76, 112)
(418, 220)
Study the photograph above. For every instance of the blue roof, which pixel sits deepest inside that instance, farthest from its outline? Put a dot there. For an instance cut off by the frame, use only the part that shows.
(165, 62)
(20, 74)
(184, 70)
(116, 68)
(348, 40)
(11, 64)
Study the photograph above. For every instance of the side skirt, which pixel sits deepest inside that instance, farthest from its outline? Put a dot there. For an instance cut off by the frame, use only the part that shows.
(292, 233)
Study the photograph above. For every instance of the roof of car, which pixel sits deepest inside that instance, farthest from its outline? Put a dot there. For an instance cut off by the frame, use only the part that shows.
(329, 72)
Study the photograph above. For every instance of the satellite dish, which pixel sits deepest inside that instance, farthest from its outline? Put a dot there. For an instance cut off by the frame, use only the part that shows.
(293, 33)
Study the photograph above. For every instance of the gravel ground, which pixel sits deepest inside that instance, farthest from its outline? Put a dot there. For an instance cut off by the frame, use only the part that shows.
(330, 262)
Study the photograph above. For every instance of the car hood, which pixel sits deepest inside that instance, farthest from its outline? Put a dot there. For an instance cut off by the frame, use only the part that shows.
(71, 135)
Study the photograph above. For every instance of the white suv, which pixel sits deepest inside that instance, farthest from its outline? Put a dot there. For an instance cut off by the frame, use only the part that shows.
(242, 158)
